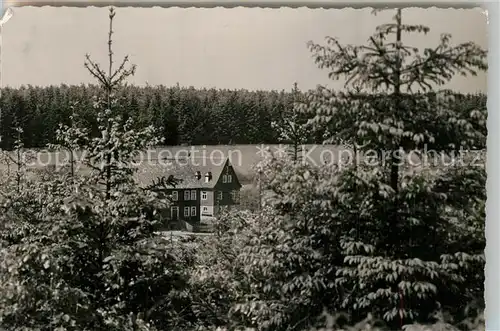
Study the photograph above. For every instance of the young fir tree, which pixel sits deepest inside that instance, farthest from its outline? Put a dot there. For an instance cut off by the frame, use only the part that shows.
(88, 259)
(20, 157)
(398, 262)
(291, 125)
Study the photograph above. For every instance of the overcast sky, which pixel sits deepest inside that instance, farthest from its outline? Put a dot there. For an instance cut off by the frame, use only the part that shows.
(256, 49)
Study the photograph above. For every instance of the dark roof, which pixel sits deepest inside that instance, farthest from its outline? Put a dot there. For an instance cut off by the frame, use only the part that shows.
(183, 169)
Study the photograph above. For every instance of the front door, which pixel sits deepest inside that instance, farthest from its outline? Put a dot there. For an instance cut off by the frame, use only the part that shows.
(174, 212)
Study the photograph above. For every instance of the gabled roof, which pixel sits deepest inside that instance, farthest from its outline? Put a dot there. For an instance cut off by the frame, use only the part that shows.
(183, 169)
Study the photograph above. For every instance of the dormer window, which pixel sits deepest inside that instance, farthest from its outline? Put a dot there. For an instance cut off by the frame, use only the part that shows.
(198, 175)
(227, 179)
(208, 177)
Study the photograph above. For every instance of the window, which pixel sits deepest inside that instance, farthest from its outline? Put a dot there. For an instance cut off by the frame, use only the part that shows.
(219, 195)
(175, 196)
(203, 195)
(186, 195)
(227, 178)
(186, 211)
(193, 195)
(235, 195)
(193, 211)
(205, 208)
(208, 177)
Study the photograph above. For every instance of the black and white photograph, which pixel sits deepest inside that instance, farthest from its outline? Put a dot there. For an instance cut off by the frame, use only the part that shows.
(263, 169)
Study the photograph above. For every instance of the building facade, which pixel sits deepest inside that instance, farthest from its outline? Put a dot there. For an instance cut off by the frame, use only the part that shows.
(196, 190)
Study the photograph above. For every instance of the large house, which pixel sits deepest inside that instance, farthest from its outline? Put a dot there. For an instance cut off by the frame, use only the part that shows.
(197, 188)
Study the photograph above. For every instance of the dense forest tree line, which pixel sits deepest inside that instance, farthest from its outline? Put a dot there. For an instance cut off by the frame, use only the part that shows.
(186, 115)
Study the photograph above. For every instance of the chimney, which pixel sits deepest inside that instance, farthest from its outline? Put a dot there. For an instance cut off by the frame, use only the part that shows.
(198, 175)
(208, 177)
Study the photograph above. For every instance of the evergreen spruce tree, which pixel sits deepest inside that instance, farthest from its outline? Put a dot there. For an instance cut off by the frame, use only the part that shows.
(291, 125)
(88, 259)
(399, 253)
